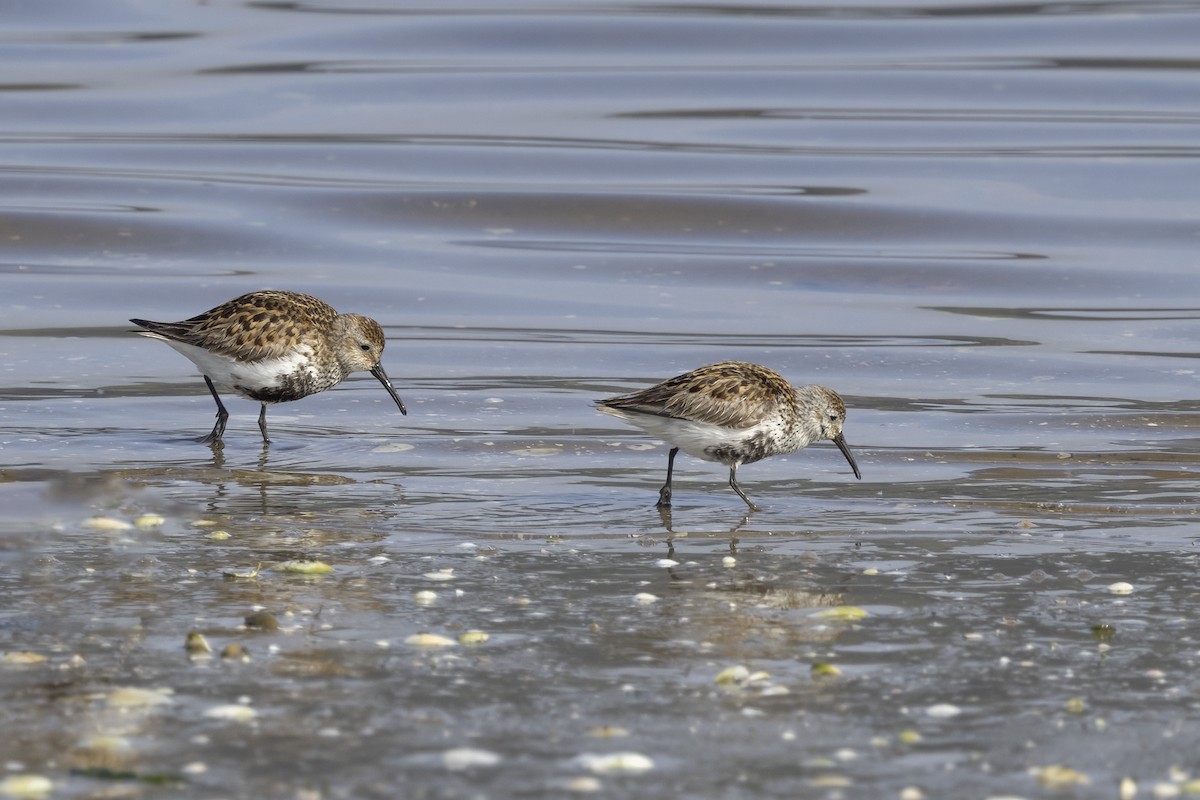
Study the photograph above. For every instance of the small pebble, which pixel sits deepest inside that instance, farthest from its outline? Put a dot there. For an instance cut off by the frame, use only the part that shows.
(1058, 778)
(645, 598)
(196, 644)
(473, 637)
(262, 620)
(1120, 587)
(235, 652)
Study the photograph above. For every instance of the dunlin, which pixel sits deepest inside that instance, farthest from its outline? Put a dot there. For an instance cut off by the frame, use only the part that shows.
(733, 413)
(274, 347)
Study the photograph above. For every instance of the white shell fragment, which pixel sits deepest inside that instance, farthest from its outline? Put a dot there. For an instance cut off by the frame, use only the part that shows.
(147, 521)
(25, 786)
(22, 657)
(645, 598)
(943, 710)
(429, 640)
(732, 676)
(469, 758)
(132, 697)
(617, 763)
(234, 712)
(303, 567)
(1120, 587)
(106, 524)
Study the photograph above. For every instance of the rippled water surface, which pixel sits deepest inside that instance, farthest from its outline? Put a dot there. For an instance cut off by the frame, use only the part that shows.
(978, 223)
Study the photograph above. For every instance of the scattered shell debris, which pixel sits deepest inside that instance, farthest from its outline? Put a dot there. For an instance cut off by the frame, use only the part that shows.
(536, 451)
(393, 447)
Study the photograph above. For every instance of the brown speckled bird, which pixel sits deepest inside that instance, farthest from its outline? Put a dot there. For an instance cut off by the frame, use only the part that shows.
(733, 413)
(274, 346)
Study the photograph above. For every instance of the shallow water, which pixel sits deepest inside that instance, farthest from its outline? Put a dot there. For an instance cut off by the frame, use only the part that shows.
(978, 223)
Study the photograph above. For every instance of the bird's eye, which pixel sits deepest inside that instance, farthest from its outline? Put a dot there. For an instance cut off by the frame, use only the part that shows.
(364, 347)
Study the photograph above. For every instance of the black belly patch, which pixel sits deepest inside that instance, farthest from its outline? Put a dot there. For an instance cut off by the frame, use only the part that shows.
(291, 387)
(747, 451)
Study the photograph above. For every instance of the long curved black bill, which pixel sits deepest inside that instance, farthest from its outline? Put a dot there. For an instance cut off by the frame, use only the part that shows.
(840, 441)
(382, 377)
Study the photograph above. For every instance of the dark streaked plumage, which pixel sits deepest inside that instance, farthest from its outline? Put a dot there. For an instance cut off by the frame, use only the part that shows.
(733, 413)
(273, 347)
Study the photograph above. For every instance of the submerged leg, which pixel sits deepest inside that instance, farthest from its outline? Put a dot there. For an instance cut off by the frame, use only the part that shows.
(664, 494)
(733, 484)
(219, 429)
(262, 423)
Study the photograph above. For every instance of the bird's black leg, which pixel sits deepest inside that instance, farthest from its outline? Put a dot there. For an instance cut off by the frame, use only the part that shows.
(733, 484)
(664, 494)
(214, 437)
(262, 423)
